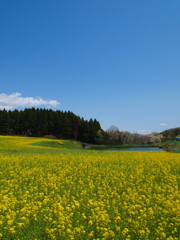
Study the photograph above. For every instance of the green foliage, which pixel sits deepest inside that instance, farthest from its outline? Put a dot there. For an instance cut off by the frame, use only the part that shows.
(59, 144)
(39, 122)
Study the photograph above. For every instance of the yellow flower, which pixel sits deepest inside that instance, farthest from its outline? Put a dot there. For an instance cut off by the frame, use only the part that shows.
(12, 230)
(20, 224)
(68, 230)
(91, 234)
(90, 222)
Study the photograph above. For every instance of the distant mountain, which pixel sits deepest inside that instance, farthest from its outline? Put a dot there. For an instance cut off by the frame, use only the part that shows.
(113, 128)
(171, 133)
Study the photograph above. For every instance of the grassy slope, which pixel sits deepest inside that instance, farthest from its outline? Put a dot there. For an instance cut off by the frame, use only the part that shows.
(15, 145)
(170, 146)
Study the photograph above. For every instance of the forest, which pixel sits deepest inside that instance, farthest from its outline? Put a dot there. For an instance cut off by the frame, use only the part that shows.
(40, 122)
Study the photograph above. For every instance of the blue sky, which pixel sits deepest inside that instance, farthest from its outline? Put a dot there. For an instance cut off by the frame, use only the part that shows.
(116, 61)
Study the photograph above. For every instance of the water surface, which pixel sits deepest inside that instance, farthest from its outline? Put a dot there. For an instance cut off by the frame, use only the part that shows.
(139, 149)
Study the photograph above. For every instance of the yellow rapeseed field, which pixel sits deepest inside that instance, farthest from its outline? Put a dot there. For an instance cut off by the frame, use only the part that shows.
(88, 195)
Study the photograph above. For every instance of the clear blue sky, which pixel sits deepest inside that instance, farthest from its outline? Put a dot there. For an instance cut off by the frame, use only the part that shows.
(116, 61)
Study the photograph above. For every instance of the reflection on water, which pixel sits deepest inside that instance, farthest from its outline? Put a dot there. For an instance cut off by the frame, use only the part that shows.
(139, 149)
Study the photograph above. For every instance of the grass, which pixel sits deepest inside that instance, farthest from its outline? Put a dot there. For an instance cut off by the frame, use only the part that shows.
(68, 144)
(170, 146)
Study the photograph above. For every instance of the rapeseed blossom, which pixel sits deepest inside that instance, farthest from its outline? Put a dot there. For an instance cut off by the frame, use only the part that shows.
(94, 195)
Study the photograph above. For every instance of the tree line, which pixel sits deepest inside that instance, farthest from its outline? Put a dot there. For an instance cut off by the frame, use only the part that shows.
(66, 125)
(40, 122)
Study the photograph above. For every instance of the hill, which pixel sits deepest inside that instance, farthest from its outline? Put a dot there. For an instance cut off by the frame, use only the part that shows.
(171, 134)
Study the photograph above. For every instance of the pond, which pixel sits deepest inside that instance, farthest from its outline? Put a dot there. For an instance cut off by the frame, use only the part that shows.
(139, 149)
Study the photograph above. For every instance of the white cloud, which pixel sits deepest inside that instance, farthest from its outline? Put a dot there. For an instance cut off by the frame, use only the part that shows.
(163, 124)
(15, 100)
(144, 131)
